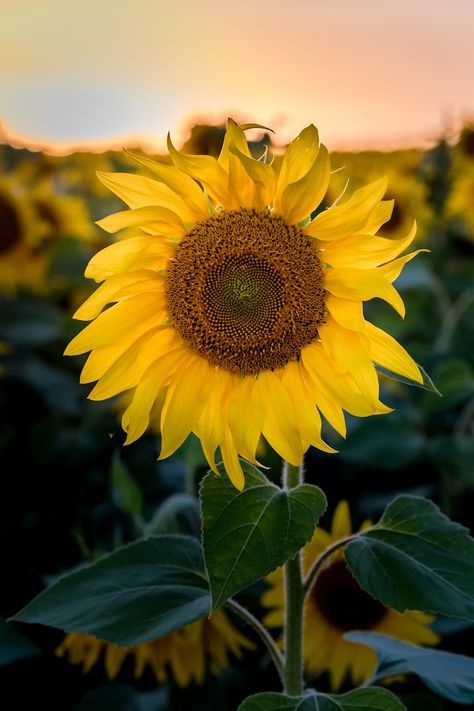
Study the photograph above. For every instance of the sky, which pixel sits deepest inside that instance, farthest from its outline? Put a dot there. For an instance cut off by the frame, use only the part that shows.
(368, 73)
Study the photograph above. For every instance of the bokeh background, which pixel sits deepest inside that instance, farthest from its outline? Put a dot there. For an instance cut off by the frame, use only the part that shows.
(389, 86)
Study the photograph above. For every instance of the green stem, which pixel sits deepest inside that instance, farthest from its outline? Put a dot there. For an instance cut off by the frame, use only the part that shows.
(294, 604)
(262, 632)
(319, 562)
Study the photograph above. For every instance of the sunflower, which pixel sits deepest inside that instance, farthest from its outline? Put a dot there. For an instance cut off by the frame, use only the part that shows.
(337, 604)
(186, 653)
(59, 215)
(19, 264)
(247, 312)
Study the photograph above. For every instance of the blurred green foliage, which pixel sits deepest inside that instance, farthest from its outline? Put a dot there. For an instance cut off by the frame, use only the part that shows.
(70, 491)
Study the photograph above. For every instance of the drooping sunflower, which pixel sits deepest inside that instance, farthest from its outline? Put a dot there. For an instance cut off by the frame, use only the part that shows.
(247, 312)
(336, 604)
(186, 653)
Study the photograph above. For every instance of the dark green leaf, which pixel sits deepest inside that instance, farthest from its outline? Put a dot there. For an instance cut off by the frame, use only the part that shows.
(14, 646)
(248, 534)
(427, 383)
(358, 700)
(415, 558)
(125, 491)
(449, 675)
(140, 592)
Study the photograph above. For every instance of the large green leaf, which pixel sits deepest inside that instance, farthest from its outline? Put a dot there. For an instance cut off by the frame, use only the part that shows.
(358, 700)
(140, 592)
(14, 646)
(415, 558)
(248, 534)
(449, 675)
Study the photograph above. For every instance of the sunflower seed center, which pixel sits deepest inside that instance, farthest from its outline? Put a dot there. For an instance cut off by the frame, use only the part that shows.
(246, 291)
(342, 601)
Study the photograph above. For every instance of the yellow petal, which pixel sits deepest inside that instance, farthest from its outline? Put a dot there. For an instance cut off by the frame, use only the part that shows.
(363, 285)
(308, 420)
(241, 187)
(336, 388)
(185, 400)
(388, 353)
(297, 160)
(300, 198)
(323, 398)
(231, 461)
(262, 176)
(341, 521)
(350, 349)
(234, 136)
(206, 170)
(347, 313)
(379, 216)
(184, 186)
(365, 251)
(136, 417)
(246, 430)
(128, 369)
(279, 427)
(350, 217)
(138, 191)
(393, 270)
(210, 425)
(118, 288)
(154, 220)
(118, 322)
(130, 255)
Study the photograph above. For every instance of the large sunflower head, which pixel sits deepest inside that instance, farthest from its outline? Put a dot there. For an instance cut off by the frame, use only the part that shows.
(186, 654)
(337, 604)
(246, 311)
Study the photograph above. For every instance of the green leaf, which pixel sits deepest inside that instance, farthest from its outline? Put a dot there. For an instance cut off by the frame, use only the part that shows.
(449, 675)
(14, 646)
(125, 491)
(427, 383)
(415, 558)
(140, 592)
(248, 534)
(358, 700)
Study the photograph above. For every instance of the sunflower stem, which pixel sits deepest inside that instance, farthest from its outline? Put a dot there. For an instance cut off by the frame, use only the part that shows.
(319, 562)
(294, 602)
(267, 639)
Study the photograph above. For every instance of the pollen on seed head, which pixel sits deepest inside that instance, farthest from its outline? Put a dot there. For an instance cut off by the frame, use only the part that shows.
(245, 290)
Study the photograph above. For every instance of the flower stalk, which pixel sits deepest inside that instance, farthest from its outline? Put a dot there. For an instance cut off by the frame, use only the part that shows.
(294, 603)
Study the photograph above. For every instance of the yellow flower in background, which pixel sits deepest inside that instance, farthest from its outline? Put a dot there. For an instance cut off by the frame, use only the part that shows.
(243, 309)
(336, 604)
(19, 263)
(185, 654)
(60, 215)
(460, 202)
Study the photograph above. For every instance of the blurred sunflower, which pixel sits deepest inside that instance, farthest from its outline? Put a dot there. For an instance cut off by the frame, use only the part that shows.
(234, 301)
(19, 265)
(186, 653)
(60, 215)
(336, 604)
(460, 202)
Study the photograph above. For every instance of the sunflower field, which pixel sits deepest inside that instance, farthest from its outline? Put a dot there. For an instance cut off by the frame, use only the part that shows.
(176, 331)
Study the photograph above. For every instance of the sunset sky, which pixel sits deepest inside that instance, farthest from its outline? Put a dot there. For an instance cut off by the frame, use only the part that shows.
(369, 73)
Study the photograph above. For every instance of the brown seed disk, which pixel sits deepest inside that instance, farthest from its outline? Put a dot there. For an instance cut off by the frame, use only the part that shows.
(10, 226)
(342, 601)
(245, 290)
